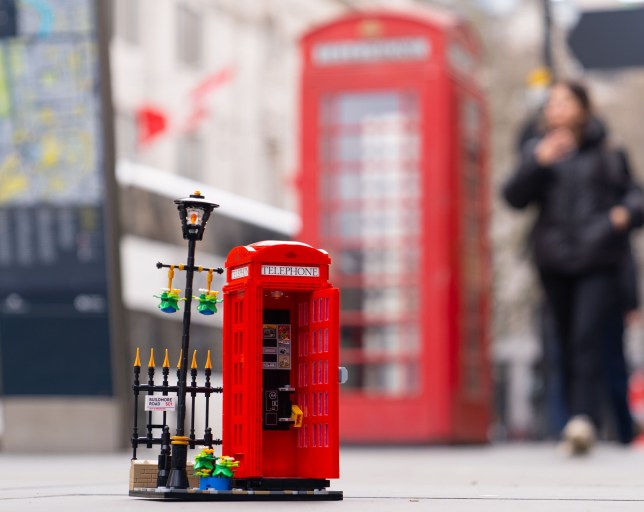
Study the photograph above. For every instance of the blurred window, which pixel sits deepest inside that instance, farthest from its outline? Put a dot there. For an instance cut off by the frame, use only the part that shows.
(127, 14)
(190, 157)
(189, 35)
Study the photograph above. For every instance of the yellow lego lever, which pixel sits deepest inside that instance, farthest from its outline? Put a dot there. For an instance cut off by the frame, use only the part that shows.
(296, 415)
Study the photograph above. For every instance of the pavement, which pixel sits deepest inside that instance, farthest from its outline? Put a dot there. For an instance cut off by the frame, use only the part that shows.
(502, 477)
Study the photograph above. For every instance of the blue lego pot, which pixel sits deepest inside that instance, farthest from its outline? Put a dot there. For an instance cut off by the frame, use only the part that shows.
(215, 482)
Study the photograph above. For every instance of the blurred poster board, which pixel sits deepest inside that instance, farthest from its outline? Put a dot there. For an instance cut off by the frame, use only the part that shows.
(54, 314)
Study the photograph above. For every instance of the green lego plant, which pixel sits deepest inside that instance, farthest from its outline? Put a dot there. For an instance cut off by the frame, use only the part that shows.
(205, 463)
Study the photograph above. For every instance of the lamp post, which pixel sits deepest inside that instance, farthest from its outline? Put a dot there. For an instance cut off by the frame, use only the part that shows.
(194, 212)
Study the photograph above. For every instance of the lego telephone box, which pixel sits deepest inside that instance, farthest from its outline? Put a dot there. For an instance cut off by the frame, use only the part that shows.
(280, 362)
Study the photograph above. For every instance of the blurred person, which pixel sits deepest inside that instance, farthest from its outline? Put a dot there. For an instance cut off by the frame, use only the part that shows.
(587, 204)
(624, 313)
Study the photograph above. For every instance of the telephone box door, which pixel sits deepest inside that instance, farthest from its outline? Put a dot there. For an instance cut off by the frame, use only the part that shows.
(318, 387)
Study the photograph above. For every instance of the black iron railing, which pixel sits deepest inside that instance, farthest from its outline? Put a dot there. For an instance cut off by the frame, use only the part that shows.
(158, 433)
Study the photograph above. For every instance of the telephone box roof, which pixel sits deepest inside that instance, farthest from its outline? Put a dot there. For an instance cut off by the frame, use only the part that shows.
(427, 17)
(275, 251)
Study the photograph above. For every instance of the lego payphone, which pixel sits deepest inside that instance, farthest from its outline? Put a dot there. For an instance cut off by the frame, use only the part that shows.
(280, 364)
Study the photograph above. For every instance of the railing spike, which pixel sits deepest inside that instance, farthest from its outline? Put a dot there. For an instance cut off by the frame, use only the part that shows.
(208, 362)
(180, 357)
(151, 362)
(166, 361)
(137, 359)
(194, 360)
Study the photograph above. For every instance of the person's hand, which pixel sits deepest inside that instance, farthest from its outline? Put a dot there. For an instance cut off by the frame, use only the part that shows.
(633, 318)
(555, 146)
(620, 217)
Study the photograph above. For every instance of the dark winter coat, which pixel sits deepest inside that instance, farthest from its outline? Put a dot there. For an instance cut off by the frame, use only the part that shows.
(573, 233)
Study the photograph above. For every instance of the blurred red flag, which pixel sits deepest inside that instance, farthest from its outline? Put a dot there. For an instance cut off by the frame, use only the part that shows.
(151, 122)
(200, 93)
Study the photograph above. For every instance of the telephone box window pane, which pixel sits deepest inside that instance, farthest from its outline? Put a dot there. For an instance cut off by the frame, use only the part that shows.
(320, 342)
(350, 261)
(349, 149)
(313, 342)
(354, 107)
(314, 373)
(305, 436)
(326, 372)
(392, 338)
(347, 186)
(326, 309)
(351, 299)
(356, 376)
(314, 436)
(351, 337)
(392, 379)
(399, 301)
(348, 223)
(304, 314)
(326, 435)
(326, 403)
(326, 340)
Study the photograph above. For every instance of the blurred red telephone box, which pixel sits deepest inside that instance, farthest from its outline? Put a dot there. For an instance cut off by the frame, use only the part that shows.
(394, 184)
(280, 358)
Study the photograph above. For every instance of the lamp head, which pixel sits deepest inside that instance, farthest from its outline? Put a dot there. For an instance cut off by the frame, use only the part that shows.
(194, 212)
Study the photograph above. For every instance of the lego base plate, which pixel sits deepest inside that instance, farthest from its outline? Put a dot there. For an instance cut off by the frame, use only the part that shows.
(164, 493)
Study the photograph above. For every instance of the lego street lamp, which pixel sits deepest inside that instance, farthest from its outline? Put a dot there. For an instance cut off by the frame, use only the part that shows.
(194, 212)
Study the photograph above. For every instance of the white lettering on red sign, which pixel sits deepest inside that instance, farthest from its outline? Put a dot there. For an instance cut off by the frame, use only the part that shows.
(373, 50)
(279, 270)
(239, 272)
(160, 403)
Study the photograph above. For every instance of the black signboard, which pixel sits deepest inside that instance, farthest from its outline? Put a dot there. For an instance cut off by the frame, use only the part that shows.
(54, 314)
(609, 39)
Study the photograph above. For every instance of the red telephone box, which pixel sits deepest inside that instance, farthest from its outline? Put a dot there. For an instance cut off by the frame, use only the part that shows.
(394, 185)
(280, 358)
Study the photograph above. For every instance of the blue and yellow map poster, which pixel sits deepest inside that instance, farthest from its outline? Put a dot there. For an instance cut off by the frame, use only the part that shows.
(54, 313)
